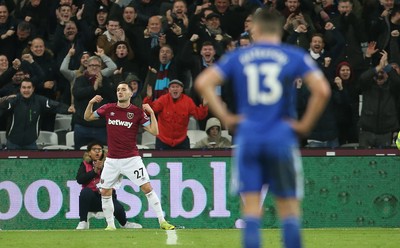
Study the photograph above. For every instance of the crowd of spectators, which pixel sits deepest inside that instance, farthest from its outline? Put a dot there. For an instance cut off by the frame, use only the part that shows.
(72, 50)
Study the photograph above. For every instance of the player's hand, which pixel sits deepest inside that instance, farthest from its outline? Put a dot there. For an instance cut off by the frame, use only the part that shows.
(300, 128)
(96, 99)
(146, 108)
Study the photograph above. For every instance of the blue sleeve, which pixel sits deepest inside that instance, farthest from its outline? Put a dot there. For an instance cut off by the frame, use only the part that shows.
(226, 66)
(306, 65)
(146, 123)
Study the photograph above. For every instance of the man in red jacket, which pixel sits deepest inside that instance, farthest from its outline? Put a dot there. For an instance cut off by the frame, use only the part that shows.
(173, 112)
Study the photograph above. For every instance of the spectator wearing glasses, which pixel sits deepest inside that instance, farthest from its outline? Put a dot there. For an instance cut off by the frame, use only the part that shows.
(91, 83)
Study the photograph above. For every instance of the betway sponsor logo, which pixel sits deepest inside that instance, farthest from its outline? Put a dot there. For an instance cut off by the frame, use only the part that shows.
(120, 123)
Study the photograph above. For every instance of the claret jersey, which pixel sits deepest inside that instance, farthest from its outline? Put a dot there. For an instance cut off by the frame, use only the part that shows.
(122, 128)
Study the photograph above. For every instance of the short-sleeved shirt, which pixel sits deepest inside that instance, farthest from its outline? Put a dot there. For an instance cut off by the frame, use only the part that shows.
(263, 78)
(122, 128)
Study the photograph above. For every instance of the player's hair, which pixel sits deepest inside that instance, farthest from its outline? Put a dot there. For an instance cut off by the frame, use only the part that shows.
(124, 82)
(270, 21)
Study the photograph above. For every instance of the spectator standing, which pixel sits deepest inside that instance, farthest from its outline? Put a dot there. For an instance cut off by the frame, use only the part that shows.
(8, 26)
(379, 86)
(27, 109)
(174, 110)
(91, 83)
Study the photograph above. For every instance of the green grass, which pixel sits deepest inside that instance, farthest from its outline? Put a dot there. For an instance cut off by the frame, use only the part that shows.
(202, 238)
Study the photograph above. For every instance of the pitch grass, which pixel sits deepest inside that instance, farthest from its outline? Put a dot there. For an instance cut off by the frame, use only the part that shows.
(202, 238)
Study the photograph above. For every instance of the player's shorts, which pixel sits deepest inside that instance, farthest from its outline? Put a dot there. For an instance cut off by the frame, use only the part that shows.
(133, 168)
(278, 166)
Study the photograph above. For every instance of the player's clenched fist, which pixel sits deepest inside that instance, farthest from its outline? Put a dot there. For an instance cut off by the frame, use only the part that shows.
(96, 99)
(146, 107)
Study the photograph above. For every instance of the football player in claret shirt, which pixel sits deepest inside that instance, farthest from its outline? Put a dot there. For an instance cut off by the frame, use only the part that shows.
(123, 120)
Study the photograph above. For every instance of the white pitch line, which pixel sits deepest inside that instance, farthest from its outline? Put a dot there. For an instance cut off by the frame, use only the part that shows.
(172, 238)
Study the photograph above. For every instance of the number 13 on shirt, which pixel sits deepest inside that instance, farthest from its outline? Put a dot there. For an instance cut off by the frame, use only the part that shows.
(263, 85)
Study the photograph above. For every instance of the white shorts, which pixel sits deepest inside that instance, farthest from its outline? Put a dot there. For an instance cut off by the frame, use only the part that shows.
(133, 168)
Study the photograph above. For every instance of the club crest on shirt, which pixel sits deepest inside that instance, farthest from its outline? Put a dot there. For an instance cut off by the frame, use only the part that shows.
(112, 113)
(129, 115)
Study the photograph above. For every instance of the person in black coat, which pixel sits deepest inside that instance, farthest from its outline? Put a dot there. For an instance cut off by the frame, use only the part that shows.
(26, 109)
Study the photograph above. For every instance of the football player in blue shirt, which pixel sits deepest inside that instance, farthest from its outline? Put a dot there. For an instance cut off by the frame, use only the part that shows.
(263, 77)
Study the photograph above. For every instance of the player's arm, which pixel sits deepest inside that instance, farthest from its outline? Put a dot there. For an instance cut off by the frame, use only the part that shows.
(153, 127)
(89, 115)
(205, 84)
(320, 94)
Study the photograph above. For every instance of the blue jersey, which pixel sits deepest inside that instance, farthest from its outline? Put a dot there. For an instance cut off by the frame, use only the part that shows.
(263, 78)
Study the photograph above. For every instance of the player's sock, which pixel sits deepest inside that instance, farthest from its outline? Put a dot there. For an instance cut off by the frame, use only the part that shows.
(155, 204)
(251, 232)
(291, 232)
(108, 210)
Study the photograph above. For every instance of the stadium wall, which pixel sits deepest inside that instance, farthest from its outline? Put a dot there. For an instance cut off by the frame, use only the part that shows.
(357, 188)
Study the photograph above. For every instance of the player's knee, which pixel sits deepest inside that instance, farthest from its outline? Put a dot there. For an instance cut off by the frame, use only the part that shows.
(146, 188)
(106, 192)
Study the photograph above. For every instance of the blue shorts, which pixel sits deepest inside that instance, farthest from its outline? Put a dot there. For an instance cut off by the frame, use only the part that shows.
(277, 165)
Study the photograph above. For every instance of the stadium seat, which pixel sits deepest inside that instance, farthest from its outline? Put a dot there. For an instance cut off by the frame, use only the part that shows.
(350, 145)
(58, 147)
(193, 124)
(62, 124)
(47, 138)
(148, 140)
(83, 148)
(69, 139)
(225, 133)
(3, 139)
(195, 135)
(142, 147)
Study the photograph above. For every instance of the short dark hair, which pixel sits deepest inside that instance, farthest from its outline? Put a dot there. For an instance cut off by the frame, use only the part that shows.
(24, 26)
(124, 82)
(207, 43)
(28, 81)
(270, 21)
